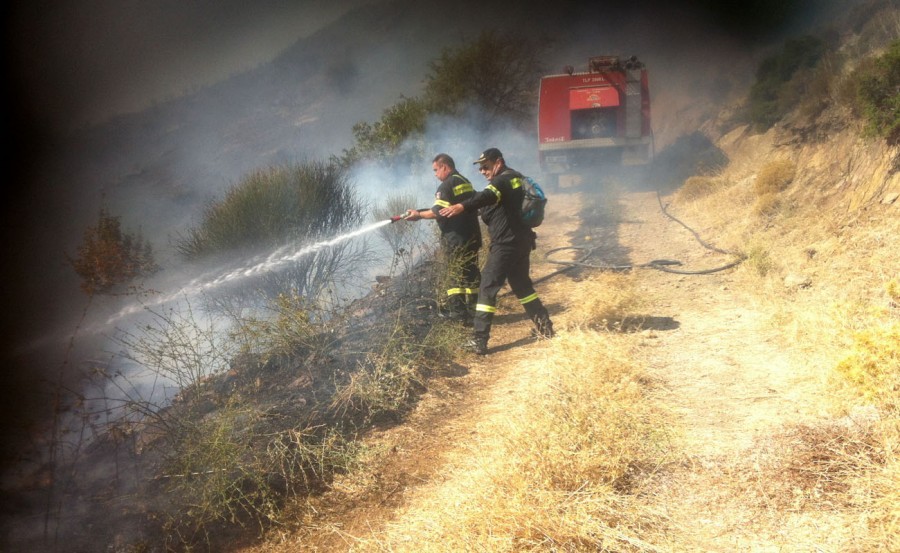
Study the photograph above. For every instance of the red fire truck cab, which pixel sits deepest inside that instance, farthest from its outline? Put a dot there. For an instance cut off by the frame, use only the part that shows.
(594, 118)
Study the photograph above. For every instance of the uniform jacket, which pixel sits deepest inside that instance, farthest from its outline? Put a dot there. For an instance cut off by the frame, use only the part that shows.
(463, 229)
(501, 209)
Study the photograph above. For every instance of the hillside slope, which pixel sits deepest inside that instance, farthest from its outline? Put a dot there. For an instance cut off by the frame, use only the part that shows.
(763, 453)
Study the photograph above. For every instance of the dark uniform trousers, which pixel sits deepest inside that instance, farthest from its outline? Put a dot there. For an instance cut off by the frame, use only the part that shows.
(512, 262)
(465, 277)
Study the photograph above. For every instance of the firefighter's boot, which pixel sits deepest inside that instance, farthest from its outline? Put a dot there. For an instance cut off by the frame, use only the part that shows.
(477, 345)
(543, 327)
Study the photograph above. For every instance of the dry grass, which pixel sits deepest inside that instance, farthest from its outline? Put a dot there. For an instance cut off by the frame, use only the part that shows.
(557, 470)
(872, 366)
(813, 467)
(883, 490)
(605, 301)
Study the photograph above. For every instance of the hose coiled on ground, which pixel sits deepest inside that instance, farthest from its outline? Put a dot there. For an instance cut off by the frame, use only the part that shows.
(658, 264)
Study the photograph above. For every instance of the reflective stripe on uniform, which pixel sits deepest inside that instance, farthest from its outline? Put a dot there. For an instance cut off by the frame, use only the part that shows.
(471, 291)
(528, 299)
(515, 183)
(485, 308)
(493, 189)
(462, 188)
(455, 291)
(441, 203)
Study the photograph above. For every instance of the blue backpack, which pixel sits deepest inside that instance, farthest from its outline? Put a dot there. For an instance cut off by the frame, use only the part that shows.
(533, 203)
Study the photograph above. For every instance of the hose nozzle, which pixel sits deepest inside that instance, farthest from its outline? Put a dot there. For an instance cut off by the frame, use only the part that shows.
(396, 218)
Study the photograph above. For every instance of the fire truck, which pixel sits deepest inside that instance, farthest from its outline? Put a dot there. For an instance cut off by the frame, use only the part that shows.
(600, 117)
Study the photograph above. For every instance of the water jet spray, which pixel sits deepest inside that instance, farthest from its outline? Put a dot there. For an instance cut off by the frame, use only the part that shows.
(275, 261)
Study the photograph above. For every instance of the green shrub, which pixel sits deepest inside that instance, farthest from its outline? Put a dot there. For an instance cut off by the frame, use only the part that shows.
(291, 206)
(878, 94)
(384, 139)
(771, 96)
(450, 90)
(273, 206)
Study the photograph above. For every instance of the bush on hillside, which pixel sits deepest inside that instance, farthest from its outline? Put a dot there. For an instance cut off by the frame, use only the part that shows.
(295, 204)
(878, 94)
(697, 187)
(273, 206)
(772, 96)
(772, 179)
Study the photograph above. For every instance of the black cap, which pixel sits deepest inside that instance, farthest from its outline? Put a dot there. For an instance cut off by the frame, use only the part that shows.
(491, 154)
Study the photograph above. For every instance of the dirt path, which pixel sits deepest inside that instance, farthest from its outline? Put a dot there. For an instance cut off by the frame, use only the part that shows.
(734, 385)
(716, 364)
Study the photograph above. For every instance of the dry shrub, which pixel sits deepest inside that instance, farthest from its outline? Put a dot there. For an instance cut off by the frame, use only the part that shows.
(774, 177)
(109, 257)
(893, 291)
(557, 466)
(766, 204)
(697, 187)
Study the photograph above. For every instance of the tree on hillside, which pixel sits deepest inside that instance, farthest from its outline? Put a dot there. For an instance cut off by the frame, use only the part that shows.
(491, 78)
(383, 140)
(495, 75)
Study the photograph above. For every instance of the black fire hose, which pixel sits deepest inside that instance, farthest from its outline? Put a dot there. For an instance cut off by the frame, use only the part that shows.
(658, 264)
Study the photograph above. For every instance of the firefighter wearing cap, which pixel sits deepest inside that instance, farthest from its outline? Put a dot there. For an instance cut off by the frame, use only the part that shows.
(460, 237)
(509, 256)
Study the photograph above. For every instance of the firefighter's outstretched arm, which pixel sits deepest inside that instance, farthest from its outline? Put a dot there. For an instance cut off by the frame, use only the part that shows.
(416, 214)
(452, 210)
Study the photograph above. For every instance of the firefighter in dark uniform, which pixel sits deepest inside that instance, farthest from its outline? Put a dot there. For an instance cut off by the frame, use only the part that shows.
(460, 238)
(509, 256)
